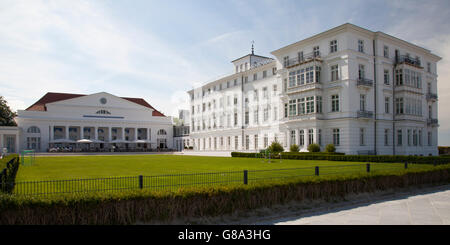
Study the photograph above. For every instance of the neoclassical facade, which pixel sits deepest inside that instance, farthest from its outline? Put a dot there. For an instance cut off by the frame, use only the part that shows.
(365, 92)
(95, 122)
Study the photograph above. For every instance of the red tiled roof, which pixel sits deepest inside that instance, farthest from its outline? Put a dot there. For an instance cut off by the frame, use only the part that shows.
(53, 97)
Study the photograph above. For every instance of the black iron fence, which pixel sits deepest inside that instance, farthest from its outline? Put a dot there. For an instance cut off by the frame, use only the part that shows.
(175, 181)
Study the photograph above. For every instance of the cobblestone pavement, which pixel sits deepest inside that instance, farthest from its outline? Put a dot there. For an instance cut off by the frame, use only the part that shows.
(430, 207)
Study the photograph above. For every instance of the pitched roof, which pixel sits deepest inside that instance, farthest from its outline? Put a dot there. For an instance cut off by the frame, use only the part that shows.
(54, 97)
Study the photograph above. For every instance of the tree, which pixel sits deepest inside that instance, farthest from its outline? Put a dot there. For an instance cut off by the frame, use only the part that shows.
(330, 148)
(275, 147)
(294, 148)
(314, 148)
(6, 115)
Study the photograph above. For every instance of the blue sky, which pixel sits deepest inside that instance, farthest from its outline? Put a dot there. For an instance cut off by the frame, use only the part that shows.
(157, 50)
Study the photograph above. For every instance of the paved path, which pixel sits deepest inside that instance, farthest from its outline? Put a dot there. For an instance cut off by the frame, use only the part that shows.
(429, 208)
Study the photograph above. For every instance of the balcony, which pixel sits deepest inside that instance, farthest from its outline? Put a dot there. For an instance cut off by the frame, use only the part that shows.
(304, 87)
(405, 59)
(432, 122)
(431, 96)
(302, 60)
(364, 114)
(364, 82)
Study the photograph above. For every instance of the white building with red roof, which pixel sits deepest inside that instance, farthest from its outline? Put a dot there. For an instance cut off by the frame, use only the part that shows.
(94, 122)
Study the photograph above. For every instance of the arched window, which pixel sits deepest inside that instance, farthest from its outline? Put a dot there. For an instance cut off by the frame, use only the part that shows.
(104, 112)
(33, 129)
(162, 132)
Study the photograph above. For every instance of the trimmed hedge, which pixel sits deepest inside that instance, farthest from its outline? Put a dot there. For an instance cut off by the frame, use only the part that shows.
(8, 170)
(336, 156)
(369, 158)
(146, 206)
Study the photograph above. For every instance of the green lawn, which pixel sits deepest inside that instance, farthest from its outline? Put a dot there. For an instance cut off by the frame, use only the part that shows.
(176, 170)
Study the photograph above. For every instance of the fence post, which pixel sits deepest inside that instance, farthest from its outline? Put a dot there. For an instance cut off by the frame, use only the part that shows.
(406, 165)
(317, 170)
(141, 182)
(245, 177)
(368, 167)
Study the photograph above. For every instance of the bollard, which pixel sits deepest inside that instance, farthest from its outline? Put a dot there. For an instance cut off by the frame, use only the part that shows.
(245, 177)
(368, 167)
(141, 182)
(317, 170)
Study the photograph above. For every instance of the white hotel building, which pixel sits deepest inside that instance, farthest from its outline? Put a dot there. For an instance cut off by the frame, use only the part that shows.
(365, 92)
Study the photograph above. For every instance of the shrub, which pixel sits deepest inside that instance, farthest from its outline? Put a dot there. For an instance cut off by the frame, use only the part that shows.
(275, 147)
(294, 148)
(330, 148)
(314, 148)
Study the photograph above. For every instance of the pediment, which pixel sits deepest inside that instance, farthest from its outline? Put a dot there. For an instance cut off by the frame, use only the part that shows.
(100, 100)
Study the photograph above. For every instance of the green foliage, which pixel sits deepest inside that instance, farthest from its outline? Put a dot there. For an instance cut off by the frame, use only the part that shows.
(314, 148)
(294, 148)
(144, 206)
(6, 115)
(275, 147)
(330, 148)
(8, 170)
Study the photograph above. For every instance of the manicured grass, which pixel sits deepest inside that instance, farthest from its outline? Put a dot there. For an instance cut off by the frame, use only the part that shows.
(175, 169)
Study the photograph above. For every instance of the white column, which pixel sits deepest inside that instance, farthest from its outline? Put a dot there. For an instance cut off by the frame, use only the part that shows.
(67, 132)
(52, 132)
(95, 133)
(288, 139)
(109, 134)
(123, 133)
(82, 132)
(148, 134)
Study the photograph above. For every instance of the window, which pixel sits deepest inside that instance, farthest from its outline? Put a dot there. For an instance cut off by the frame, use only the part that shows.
(274, 89)
(386, 137)
(429, 139)
(361, 46)
(235, 82)
(256, 116)
(334, 103)
(399, 137)
(264, 74)
(274, 71)
(235, 119)
(255, 95)
(428, 67)
(333, 46)
(293, 137)
(316, 51)
(246, 118)
(420, 137)
(398, 105)
(256, 142)
(302, 138)
(286, 61)
(103, 112)
(246, 79)
(386, 51)
(33, 129)
(247, 142)
(386, 77)
(399, 77)
(285, 110)
(310, 104)
(362, 102)
(292, 108)
(266, 141)
(235, 101)
(334, 73)
(162, 132)
(301, 106)
(255, 76)
(266, 114)
(361, 71)
(415, 137)
(300, 56)
(310, 136)
(319, 135)
(409, 137)
(361, 136)
(236, 142)
(336, 137)
(318, 104)
(386, 104)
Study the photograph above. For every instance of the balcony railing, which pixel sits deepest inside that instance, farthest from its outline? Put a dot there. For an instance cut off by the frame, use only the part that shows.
(303, 59)
(431, 96)
(364, 82)
(364, 114)
(408, 60)
(432, 122)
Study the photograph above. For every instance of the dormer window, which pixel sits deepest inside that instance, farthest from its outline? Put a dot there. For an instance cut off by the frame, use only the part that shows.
(103, 112)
